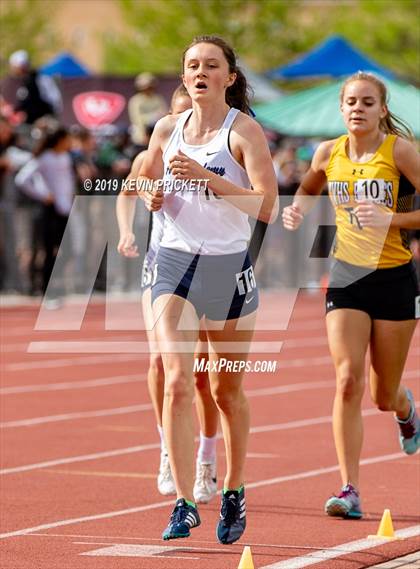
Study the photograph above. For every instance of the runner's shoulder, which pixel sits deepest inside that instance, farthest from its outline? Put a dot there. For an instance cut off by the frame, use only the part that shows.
(165, 126)
(322, 155)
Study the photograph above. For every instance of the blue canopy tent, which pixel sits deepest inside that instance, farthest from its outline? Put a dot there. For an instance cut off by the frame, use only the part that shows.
(335, 57)
(66, 65)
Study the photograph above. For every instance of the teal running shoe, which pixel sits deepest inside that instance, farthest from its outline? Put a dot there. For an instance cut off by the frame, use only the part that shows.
(410, 428)
(183, 518)
(345, 505)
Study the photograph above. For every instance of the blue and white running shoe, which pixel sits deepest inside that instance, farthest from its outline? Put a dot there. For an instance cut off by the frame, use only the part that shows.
(183, 518)
(410, 428)
(232, 521)
(345, 505)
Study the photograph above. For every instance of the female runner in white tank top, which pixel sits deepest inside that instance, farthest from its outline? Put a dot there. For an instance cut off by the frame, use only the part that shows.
(206, 234)
(205, 486)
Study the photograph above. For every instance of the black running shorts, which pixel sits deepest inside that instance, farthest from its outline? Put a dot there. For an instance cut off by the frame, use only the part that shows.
(384, 294)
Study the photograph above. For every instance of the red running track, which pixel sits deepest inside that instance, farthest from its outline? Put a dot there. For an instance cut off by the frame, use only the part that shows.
(79, 455)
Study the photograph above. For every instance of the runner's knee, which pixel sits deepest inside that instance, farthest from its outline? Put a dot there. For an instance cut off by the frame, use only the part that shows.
(350, 383)
(229, 402)
(156, 364)
(178, 387)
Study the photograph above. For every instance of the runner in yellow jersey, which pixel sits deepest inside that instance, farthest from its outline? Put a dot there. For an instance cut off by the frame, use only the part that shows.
(372, 300)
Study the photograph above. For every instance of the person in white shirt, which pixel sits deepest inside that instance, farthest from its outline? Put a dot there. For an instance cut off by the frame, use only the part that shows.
(202, 266)
(205, 486)
(49, 178)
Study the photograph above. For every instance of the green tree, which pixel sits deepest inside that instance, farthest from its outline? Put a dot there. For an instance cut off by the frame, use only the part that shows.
(160, 30)
(25, 25)
(265, 33)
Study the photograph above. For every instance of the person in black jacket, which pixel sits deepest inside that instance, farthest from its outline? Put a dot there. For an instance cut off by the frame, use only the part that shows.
(38, 94)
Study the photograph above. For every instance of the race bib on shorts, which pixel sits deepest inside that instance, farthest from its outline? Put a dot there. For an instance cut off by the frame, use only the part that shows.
(246, 281)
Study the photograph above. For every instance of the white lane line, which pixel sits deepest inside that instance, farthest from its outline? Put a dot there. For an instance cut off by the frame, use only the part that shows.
(339, 550)
(71, 362)
(146, 407)
(131, 550)
(303, 386)
(272, 481)
(257, 347)
(19, 389)
(23, 346)
(25, 331)
(323, 360)
(309, 422)
(307, 386)
(16, 390)
(116, 347)
(262, 455)
(149, 539)
(103, 346)
(79, 415)
(71, 384)
(80, 458)
(305, 342)
(142, 448)
(138, 408)
(106, 515)
(290, 344)
(320, 341)
(319, 471)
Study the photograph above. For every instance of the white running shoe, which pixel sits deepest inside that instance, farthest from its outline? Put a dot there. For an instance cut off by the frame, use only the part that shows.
(165, 482)
(205, 486)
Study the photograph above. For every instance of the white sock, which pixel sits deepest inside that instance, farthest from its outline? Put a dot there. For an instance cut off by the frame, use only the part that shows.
(207, 449)
(163, 448)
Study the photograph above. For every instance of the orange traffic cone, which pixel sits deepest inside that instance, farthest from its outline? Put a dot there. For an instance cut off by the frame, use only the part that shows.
(386, 529)
(246, 561)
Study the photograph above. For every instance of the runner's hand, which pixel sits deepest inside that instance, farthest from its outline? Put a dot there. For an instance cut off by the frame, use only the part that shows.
(185, 168)
(153, 199)
(127, 246)
(371, 214)
(292, 217)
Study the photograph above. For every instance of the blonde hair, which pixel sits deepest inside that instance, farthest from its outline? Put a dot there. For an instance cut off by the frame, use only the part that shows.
(390, 124)
(179, 92)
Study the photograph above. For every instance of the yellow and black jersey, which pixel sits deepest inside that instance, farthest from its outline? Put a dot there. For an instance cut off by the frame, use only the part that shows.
(377, 180)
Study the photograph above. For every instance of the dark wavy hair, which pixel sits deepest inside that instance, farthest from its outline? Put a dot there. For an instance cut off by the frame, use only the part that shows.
(238, 94)
(390, 124)
(50, 139)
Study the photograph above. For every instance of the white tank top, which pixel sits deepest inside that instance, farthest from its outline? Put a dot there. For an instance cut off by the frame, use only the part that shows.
(199, 221)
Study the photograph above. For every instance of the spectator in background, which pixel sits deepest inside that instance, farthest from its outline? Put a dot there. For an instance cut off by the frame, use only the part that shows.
(11, 159)
(145, 107)
(38, 95)
(113, 160)
(49, 178)
(84, 155)
(84, 152)
(287, 170)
